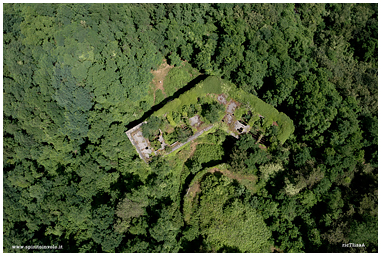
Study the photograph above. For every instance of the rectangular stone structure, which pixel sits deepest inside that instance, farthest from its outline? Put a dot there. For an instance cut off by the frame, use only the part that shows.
(140, 143)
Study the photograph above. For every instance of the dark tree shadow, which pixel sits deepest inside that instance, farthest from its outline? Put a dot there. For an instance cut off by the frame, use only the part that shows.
(158, 106)
(229, 249)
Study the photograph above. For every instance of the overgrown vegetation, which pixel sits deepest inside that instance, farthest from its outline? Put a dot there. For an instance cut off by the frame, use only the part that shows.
(212, 111)
(202, 100)
(226, 222)
(151, 127)
(178, 77)
(77, 76)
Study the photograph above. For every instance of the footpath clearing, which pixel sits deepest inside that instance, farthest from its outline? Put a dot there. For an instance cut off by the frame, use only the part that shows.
(159, 77)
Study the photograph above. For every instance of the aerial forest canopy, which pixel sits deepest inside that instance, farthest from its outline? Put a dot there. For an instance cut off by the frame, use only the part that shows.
(76, 77)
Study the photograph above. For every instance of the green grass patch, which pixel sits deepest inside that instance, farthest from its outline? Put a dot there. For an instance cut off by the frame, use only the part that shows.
(159, 96)
(254, 118)
(286, 127)
(239, 112)
(212, 84)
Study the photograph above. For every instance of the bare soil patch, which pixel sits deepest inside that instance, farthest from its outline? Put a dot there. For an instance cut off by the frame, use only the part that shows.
(222, 99)
(239, 176)
(194, 189)
(170, 129)
(193, 148)
(275, 250)
(261, 146)
(234, 176)
(159, 76)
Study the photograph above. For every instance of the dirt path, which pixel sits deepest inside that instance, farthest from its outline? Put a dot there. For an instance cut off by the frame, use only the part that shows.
(193, 149)
(159, 76)
(275, 250)
(234, 176)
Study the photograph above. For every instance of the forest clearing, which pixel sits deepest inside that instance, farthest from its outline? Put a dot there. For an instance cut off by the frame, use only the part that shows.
(159, 77)
(208, 103)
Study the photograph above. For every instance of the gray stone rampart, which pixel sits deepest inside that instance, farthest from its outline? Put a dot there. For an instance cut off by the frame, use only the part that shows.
(129, 132)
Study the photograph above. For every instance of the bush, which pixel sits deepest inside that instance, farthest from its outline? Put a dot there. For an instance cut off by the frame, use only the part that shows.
(246, 156)
(176, 116)
(153, 136)
(167, 149)
(207, 152)
(239, 112)
(151, 128)
(193, 165)
(159, 96)
(176, 78)
(155, 145)
(170, 138)
(174, 59)
(183, 133)
(180, 134)
(190, 110)
(212, 111)
(144, 105)
(246, 117)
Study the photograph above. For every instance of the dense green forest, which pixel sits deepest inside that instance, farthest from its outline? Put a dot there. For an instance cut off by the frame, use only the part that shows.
(77, 76)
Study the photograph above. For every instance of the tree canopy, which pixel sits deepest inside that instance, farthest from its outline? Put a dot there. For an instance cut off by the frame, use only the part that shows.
(76, 77)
